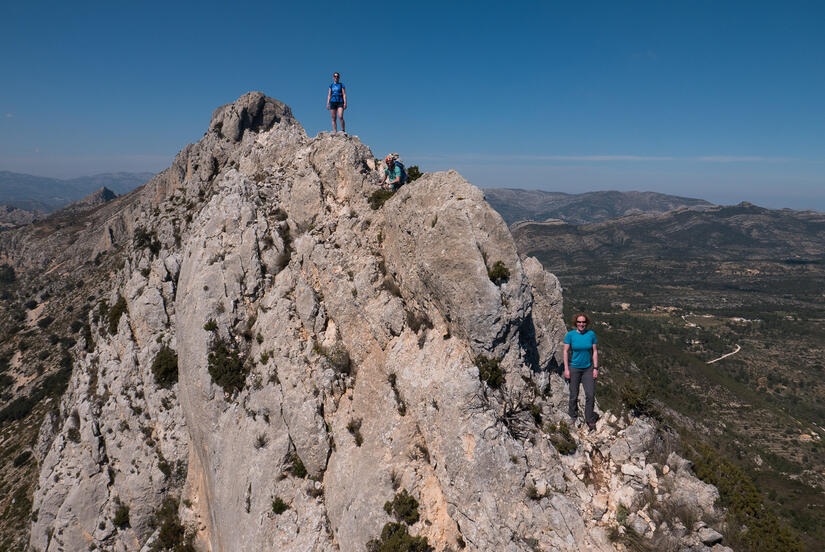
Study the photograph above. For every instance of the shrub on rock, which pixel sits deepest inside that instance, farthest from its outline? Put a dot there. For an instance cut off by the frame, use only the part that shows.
(165, 367)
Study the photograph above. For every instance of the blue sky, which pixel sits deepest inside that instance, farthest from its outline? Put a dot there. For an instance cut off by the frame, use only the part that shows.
(712, 99)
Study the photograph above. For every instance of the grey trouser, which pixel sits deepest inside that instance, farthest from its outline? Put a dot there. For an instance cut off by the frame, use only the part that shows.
(585, 377)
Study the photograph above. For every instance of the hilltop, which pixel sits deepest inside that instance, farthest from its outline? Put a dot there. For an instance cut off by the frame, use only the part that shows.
(251, 353)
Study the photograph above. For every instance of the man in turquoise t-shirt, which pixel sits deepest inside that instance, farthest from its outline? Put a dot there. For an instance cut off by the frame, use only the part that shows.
(392, 175)
(582, 368)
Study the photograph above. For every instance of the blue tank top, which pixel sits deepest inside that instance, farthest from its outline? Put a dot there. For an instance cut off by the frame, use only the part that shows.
(336, 92)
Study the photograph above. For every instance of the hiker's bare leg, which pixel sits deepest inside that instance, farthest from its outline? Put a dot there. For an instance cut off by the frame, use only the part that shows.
(334, 121)
(341, 116)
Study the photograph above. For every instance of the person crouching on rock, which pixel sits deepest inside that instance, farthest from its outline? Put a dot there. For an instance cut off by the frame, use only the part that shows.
(581, 366)
(337, 102)
(392, 174)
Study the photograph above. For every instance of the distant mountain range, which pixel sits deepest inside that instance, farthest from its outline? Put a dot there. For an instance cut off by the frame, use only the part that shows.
(739, 232)
(44, 194)
(515, 205)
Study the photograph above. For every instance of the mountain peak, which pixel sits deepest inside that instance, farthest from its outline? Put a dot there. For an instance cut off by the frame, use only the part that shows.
(253, 111)
(263, 322)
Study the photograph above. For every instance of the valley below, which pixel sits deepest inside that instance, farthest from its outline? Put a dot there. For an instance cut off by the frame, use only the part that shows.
(686, 288)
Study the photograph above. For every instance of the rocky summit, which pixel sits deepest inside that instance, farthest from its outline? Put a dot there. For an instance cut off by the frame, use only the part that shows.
(280, 366)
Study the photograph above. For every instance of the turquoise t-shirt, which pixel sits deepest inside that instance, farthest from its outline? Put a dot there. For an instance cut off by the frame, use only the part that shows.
(582, 345)
(393, 173)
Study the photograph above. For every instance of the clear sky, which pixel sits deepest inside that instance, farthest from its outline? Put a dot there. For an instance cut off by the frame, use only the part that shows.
(717, 99)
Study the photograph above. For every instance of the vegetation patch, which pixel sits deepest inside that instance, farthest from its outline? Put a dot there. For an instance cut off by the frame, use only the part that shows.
(403, 507)
(7, 275)
(638, 401)
(121, 517)
(489, 371)
(165, 367)
(296, 467)
(146, 240)
(561, 438)
(53, 386)
(499, 273)
(279, 506)
(378, 198)
(413, 173)
(337, 356)
(22, 458)
(752, 526)
(396, 538)
(172, 535)
(226, 367)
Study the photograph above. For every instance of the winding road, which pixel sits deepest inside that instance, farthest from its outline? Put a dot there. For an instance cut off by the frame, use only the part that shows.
(738, 348)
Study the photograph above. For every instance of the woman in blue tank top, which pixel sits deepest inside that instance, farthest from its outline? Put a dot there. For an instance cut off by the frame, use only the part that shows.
(337, 102)
(581, 367)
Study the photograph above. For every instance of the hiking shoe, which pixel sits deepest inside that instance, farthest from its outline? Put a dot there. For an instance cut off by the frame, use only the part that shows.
(591, 426)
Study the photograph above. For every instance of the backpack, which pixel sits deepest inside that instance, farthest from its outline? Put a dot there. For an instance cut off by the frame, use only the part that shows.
(403, 179)
(401, 166)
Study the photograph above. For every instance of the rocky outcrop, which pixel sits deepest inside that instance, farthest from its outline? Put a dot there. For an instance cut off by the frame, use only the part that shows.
(328, 356)
(12, 216)
(96, 198)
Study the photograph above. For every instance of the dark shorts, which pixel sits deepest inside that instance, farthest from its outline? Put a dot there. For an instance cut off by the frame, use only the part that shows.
(335, 105)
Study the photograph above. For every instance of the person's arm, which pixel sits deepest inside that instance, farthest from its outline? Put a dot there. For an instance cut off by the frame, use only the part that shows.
(329, 95)
(566, 361)
(344, 94)
(595, 361)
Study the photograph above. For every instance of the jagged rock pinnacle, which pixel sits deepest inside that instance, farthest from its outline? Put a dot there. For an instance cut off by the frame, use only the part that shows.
(328, 356)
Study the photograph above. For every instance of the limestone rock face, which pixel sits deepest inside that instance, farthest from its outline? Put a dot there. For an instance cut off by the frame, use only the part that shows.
(327, 358)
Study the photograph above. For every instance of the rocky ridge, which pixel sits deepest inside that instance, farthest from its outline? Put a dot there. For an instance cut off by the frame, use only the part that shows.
(12, 216)
(329, 356)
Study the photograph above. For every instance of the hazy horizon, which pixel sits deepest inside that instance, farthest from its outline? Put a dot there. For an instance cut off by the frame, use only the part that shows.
(714, 100)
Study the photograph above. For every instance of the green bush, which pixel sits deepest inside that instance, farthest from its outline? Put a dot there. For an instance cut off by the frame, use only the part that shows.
(638, 401)
(210, 325)
(73, 434)
(144, 239)
(561, 438)
(489, 371)
(226, 367)
(279, 506)
(297, 467)
(499, 273)
(115, 312)
(22, 458)
(378, 198)
(396, 538)
(45, 322)
(172, 535)
(121, 518)
(7, 275)
(403, 507)
(338, 357)
(165, 367)
(413, 173)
